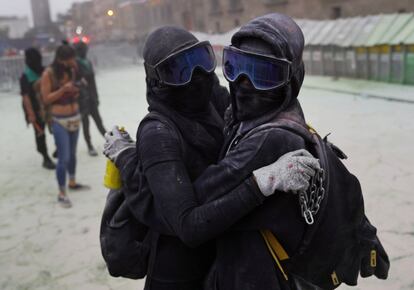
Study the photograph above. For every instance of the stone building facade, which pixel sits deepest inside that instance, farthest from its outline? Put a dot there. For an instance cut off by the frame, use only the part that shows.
(133, 19)
(224, 15)
(41, 13)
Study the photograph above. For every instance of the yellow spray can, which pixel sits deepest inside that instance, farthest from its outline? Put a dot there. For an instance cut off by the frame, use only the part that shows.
(112, 178)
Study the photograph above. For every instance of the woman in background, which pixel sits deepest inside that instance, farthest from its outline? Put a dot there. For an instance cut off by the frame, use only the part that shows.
(61, 95)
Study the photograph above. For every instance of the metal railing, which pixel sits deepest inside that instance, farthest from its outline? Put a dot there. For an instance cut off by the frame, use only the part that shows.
(11, 69)
(103, 56)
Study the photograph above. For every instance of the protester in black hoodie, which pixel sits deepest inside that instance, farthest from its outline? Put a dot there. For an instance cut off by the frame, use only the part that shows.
(176, 142)
(30, 90)
(265, 69)
(88, 98)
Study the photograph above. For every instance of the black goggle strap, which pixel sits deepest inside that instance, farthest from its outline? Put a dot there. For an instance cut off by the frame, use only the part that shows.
(151, 72)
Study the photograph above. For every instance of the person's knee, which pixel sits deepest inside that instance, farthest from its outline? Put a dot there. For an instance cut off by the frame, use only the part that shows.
(64, 158)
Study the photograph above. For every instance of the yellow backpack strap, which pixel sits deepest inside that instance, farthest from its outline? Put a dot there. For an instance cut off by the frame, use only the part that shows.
(276, 250)
(311, 129)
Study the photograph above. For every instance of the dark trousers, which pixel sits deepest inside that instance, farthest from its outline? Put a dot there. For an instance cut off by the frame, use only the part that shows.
(41, 140)
(94, 113)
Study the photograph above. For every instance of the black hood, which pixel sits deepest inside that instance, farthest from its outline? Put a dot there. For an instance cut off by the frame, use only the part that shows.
(286, 40)
(33, 60)
(188, 106)
(165, 40)
(190, 99)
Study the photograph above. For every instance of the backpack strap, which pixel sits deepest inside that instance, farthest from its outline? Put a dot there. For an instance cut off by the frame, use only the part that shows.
(276, 250)
(309, 134)
(154, 115)
(288, 125)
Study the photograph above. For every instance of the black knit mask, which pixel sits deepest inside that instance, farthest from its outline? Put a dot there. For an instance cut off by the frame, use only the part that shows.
(277, 36)
(188, 99)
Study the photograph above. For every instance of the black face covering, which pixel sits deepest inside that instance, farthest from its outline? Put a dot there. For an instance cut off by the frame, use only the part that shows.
(189, 100)
(33, 60)
(187, 106)
(274, 35)
(251, 103)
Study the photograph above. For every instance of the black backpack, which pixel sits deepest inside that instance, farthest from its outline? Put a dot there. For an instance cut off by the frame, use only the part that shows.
(128, 246)
(125, 243)
(341, 243)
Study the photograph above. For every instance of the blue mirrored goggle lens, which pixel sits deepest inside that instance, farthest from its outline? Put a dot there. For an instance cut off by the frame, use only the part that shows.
(263, 73)
(178, 69)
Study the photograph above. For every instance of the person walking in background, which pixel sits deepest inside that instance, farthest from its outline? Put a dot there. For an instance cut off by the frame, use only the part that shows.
(61, 95)
(88, 98)
(30, 92)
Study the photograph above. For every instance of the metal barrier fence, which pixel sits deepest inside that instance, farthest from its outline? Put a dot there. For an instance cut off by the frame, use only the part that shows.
(11, 69)
(103, 56)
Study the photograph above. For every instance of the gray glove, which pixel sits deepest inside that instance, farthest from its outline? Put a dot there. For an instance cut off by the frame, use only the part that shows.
(290, 173)
(116, 142)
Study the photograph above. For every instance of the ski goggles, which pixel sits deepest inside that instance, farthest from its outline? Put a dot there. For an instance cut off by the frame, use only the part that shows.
(177, 69)
(264, 72)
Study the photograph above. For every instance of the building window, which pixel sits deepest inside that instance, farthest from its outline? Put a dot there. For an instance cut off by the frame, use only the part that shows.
(201, 26)
(168, 12)
(187, 20)
(218, 28)
(215, 7)
(274, 2)
(336, 12)
(235, 6)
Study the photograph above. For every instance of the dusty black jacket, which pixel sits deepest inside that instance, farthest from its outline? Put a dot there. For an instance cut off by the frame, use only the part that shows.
(89, 92)
(169, 205)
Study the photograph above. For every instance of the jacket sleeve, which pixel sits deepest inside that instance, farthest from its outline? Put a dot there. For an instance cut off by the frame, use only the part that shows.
(166, 174)
(257, 151)
(94, 88)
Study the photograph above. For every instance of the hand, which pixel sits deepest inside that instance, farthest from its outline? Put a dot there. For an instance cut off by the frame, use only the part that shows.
(117, 141)
(70, 88)
(290, 173)
(31, 117)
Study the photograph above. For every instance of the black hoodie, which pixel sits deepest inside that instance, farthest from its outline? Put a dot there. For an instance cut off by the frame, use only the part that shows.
(33, 72)
(174, 146)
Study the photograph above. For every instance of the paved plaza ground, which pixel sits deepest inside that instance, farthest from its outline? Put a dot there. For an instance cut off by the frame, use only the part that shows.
(45, 247)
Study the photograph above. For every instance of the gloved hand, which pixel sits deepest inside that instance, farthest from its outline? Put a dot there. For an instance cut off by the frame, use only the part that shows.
(290, 173)
(117, 141)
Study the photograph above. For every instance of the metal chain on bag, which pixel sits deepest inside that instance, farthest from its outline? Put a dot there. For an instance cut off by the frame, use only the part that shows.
(310, 200)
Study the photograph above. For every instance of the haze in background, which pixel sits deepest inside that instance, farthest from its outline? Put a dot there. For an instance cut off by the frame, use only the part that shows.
(23, 8)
